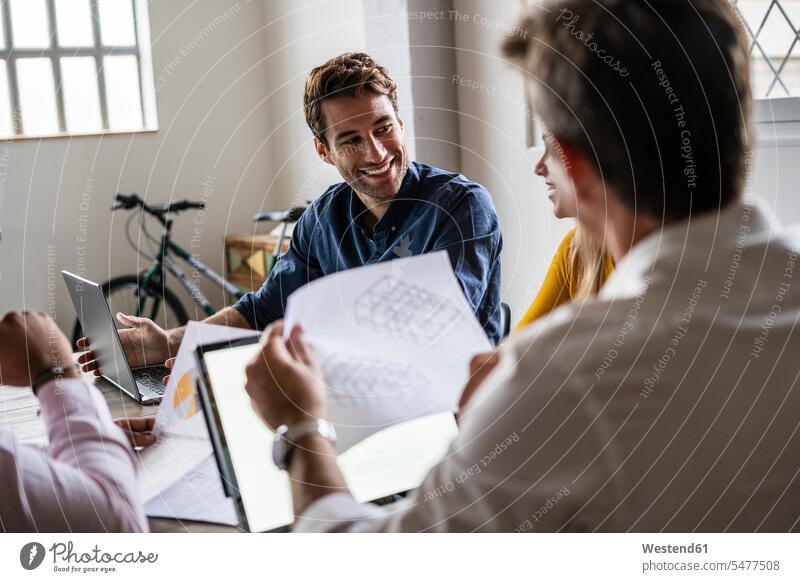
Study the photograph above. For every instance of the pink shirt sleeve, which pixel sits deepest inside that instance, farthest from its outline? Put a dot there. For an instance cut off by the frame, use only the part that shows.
(86, 479)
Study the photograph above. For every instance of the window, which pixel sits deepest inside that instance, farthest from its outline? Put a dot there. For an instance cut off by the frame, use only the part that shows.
(774, 28)
(74, 67)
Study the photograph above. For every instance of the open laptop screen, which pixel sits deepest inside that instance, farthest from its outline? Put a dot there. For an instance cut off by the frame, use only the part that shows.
(98, 325)
(390, 461)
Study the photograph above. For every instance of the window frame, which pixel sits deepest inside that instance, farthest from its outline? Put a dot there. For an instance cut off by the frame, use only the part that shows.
(776, 119)
(54, 52)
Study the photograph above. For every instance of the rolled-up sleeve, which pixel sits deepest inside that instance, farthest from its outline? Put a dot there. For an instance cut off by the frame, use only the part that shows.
(293, 270)
(84, 481)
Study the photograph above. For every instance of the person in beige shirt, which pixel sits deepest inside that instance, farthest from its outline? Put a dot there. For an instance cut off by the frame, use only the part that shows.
(669, 401)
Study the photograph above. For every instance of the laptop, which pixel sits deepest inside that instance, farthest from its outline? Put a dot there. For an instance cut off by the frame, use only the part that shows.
(387, 462)
(146, 384)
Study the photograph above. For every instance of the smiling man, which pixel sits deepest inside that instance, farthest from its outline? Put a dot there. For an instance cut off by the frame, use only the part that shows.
(386, 208)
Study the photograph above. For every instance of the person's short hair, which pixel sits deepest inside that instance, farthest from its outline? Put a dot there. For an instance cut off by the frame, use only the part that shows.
(348, 75)
(655, 93)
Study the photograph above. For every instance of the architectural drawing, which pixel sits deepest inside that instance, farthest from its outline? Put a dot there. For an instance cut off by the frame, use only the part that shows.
(393, 307)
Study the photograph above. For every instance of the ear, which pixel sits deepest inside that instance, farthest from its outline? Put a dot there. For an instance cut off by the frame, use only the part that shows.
(322, 151)
(401, 124)
(582, 172)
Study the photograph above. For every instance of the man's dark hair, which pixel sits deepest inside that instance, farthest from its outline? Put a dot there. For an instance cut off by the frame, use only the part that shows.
(655, 93)
(348, 75)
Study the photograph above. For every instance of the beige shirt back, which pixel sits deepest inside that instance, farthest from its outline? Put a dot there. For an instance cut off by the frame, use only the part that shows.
(668, 403)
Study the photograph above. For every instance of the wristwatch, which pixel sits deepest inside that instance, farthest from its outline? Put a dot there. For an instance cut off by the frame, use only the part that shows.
(286, 438)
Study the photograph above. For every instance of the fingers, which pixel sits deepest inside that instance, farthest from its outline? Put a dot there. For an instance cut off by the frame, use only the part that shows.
(82, 343)
(273, 330)
(88, 363)
(165, 379)
(170, 362)
(274, 349)
(480, 367)
(131, 320)
(138, 424)
(298, 347)
(483, 363)
(138, 430)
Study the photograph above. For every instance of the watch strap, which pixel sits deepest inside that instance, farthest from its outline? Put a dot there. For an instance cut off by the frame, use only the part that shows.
(288, 436)
(54, 372)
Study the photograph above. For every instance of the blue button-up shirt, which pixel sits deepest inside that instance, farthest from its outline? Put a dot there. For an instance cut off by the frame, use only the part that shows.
(433, 210)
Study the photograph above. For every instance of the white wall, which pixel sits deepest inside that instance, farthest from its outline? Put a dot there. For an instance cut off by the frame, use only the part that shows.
(433, 64)
(300, 35)
(492, 127)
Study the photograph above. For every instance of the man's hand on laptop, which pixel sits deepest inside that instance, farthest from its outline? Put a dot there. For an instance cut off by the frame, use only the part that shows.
(284, 380)
(30, 343)
(144, 342)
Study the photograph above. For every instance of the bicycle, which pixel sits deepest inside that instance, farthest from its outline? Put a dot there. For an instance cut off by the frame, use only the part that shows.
(146, 294)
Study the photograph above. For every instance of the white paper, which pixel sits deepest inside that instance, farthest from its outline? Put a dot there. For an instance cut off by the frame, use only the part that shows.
(394, 341)
(197, 496)
(180, 426)
(180, 410)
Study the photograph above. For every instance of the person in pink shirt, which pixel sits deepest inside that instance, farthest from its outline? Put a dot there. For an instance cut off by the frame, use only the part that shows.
(86, 479)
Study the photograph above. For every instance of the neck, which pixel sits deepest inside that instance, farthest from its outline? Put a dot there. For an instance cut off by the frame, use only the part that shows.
(375, 209)
(624, 229)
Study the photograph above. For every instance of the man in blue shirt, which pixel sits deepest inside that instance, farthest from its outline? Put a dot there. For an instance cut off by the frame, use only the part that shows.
(433, 210)
(387, 207)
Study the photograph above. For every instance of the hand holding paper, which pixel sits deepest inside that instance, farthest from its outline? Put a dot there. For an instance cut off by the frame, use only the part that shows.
(284, 380)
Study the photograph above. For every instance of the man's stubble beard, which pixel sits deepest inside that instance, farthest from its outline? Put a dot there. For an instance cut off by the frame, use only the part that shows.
(362, 187)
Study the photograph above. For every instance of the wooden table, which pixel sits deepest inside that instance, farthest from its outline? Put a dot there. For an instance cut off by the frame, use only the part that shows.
(19, 414)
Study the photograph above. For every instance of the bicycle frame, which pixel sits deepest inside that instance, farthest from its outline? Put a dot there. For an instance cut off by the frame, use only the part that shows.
(166, 246)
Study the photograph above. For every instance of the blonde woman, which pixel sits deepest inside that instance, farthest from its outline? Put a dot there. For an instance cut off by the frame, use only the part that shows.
(580, 265)
(579, 268)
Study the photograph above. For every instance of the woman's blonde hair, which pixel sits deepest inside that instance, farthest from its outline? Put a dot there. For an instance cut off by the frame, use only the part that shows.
(586, 258)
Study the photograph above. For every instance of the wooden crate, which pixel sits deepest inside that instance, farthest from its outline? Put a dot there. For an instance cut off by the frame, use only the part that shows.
(248, 258)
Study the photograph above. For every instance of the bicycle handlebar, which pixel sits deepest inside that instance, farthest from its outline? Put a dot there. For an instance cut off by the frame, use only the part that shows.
(287, 215)
(129, 201)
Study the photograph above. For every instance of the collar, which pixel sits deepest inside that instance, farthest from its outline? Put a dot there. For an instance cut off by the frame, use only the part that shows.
(688, 241)
(408, 191)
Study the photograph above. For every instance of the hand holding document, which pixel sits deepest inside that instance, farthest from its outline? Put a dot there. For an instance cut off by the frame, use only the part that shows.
(394, 341)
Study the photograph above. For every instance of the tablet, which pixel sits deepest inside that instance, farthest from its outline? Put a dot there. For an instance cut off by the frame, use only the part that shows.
(393, 460)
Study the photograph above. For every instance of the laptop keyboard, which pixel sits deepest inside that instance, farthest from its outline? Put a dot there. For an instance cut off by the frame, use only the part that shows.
(152, 378)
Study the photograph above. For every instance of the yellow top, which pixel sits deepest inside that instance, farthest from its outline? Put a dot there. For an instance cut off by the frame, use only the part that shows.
(560, 284)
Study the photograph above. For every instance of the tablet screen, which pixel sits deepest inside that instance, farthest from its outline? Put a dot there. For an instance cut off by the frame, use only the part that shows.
(263, 487)
(392, 460)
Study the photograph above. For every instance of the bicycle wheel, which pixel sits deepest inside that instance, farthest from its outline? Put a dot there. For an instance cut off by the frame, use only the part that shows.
(122, 294)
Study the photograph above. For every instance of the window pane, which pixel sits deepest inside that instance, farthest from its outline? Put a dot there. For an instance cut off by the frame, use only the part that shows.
(122, 92)
(29, 24)
(81, 100)
(74, 19)
(6, 128)
(116, 23)
(37, 96)
(2, 31)
(775, 65)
